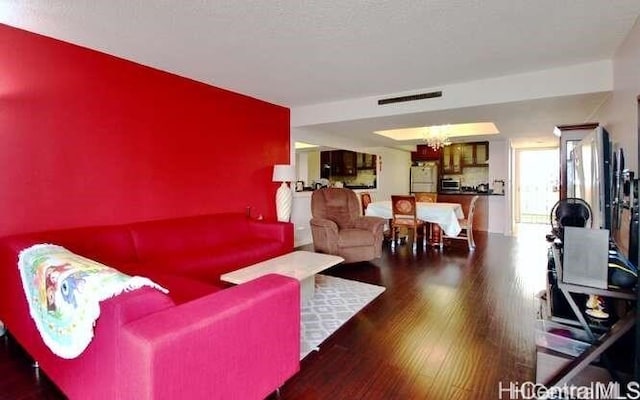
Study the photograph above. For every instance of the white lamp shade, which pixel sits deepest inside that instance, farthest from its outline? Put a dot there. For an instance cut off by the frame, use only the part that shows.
(283, 173)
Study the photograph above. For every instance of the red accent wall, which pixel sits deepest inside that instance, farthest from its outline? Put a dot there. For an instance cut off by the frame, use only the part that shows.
(87, 138)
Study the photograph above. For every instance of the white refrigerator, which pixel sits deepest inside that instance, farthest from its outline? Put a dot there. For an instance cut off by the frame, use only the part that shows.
(424, 178)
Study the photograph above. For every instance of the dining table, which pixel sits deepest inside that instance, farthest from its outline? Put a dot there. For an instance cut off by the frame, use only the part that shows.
(446, 215)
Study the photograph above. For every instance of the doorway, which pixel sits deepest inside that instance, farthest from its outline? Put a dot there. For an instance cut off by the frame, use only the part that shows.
(537, 184)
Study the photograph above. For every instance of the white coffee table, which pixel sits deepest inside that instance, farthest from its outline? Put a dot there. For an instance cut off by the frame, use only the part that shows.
(301, 265)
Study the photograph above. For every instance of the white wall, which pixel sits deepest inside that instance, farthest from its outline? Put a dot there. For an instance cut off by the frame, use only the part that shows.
(307, 166)
(499, 206)
(302, 167)
(393, 172)
(300, 216)
(620, 113)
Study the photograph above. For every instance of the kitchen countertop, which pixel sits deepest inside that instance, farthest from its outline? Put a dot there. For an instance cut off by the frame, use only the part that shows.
(469, 193)
(356, 187)
(359, 187)
(309, 192)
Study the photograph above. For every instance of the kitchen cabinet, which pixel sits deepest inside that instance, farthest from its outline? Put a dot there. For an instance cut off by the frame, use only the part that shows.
(338, 163)
(456, 157)
(475, 154)
(325, 164)
(365, 161)
(426, 153)
(346, 163)
(467, 155)
(452, 159)
(482, 153)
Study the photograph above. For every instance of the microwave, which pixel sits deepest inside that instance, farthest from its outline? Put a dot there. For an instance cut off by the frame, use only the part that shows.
(450, 185)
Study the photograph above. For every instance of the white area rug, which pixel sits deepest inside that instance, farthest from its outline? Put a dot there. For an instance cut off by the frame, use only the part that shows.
(334, 302)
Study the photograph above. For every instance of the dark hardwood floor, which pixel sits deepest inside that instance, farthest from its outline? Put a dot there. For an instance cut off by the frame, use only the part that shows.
(450, 325)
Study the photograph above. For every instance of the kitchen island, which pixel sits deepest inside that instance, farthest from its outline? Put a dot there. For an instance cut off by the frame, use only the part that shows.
(481, 216)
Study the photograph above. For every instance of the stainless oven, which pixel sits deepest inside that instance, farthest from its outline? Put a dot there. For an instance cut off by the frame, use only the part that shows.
(450, 185)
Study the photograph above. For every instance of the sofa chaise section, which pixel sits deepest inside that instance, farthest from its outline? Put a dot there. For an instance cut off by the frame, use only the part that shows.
(219, 353)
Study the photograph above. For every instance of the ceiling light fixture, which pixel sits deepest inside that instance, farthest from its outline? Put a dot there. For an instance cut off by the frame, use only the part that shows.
(452, 131)
(437, 136)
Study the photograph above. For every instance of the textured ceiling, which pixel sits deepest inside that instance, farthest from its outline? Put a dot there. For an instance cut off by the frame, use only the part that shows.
(297, 53)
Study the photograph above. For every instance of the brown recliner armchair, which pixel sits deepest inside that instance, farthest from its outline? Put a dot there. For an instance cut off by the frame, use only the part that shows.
(338, 228)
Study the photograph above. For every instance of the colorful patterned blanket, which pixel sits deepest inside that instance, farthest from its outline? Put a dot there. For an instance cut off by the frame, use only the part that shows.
(64, 290)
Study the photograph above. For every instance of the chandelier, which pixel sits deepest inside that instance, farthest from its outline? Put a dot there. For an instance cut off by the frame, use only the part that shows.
(437, 136)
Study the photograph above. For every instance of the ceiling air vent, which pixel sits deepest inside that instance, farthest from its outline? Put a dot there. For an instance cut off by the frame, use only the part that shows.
(411, 97)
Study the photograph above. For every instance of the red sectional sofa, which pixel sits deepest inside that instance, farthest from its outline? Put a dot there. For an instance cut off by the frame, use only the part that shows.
(204, 340)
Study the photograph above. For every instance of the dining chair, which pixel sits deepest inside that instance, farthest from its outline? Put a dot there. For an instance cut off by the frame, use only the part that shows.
(426, 197)
(467, 227)
(405, 216)
(365, 200)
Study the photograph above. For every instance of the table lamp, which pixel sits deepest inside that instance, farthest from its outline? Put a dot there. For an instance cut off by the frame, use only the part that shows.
(283, 173)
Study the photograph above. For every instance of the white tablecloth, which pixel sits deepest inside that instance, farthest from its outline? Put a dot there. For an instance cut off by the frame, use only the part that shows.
(444, 214)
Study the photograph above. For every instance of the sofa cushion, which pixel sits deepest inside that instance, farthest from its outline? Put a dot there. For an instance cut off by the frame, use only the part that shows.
(207, 265)
(157, 239)
(181, 289)
(106, 244)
